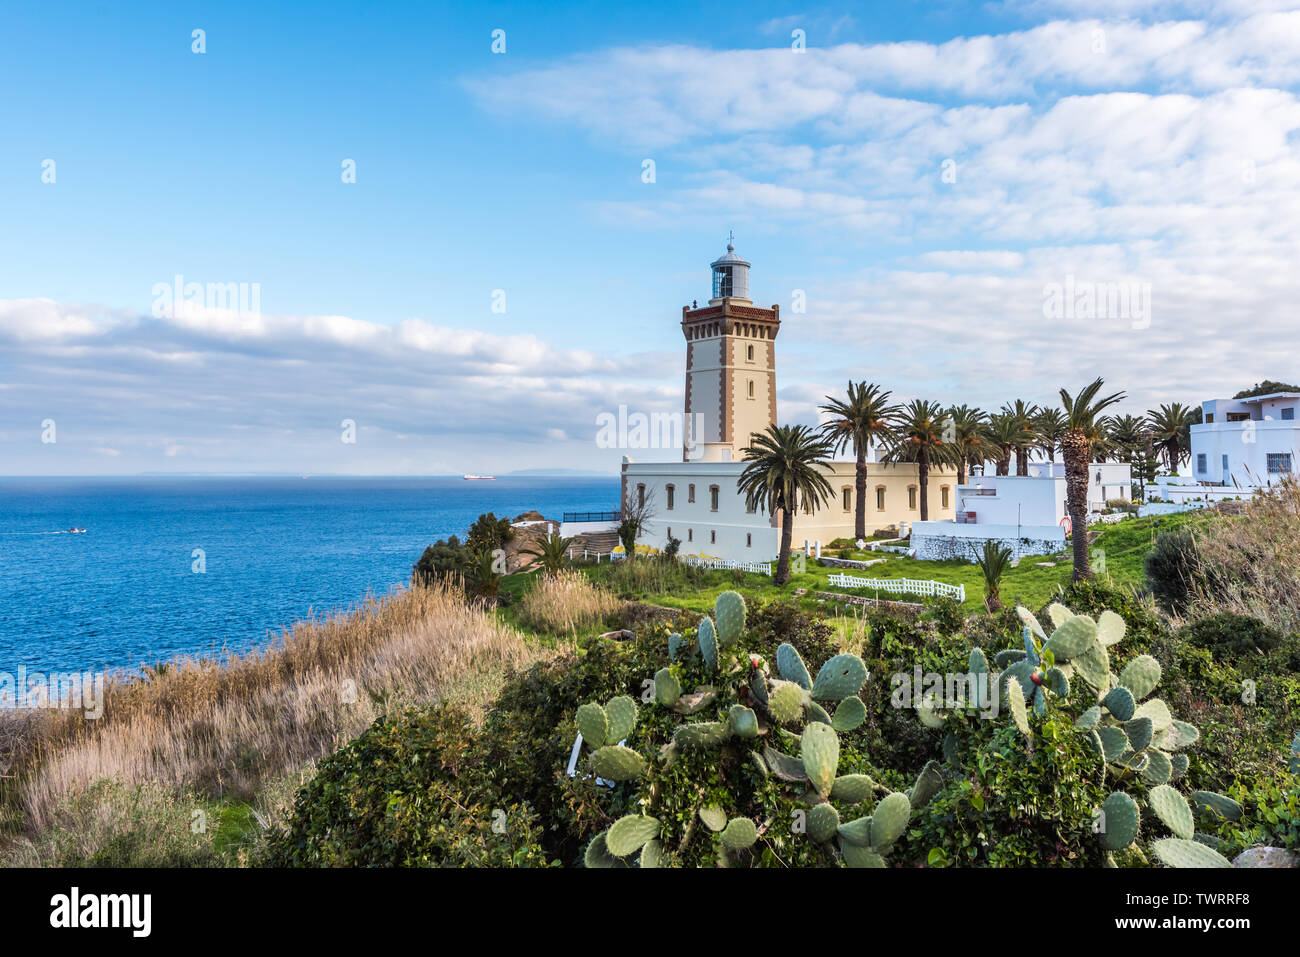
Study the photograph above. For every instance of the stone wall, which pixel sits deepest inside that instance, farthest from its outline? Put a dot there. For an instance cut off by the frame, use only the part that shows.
(938, 548)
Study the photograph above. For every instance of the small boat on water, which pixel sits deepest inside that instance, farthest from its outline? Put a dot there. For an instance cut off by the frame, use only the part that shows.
(76, 531)
(479, 478)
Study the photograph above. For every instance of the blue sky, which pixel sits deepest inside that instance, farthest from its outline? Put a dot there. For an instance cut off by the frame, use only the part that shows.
(1145, 144)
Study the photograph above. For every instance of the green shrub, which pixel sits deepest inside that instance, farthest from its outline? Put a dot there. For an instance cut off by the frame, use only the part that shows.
(445, 558)
(1229, 636)
(1172, 568)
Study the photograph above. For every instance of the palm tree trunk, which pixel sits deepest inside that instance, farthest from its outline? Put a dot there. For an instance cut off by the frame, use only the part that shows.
(961, 469)
(1022, 461)
(787, 535)
(923, 473)
(1074, 449)
(1003, 464)
(860, 519)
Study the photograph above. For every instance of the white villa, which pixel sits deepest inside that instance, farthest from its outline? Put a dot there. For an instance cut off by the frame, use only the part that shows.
(1246, 442)
(1025, 512)
(730, 394)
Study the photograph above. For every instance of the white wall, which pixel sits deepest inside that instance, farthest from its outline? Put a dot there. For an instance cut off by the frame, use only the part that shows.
(939, 541)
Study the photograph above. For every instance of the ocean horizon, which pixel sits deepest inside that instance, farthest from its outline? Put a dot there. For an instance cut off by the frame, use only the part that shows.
(176, 565)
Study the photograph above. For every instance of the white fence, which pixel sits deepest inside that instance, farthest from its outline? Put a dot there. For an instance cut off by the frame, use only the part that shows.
(758, 568)
(899, 586)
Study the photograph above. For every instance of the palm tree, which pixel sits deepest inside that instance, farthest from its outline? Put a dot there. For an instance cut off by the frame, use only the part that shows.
(919, 438)
(1126, 435)
(1169, 427)
(969, 432)
(1002, 435)
(786, 470)
(1083, 425)
(551, 552)
(1023, 415)
(993, 561)
(1050, 426)
(861, 420)
(482, 577)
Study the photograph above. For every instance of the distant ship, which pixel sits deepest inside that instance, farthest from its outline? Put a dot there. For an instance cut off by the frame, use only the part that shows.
(479, 478)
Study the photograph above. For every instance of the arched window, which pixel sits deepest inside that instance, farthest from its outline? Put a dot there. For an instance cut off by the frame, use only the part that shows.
(749, 353)
(690, 493)
(751, 388)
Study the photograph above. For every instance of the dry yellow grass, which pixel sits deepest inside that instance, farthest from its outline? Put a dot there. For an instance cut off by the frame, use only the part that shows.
(566, 602)
(225, 729)
(1249, 562)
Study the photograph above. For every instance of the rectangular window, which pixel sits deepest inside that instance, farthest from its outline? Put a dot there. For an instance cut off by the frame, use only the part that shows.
(1200, 463)
(749, 353)
(911, 496)
(749, 539)
(880, 499)
(848, 501)
(1238, 416)
(713, 537)
(690, 493)
(640, 496)
(944, 495)
(1209, 419)
(713, 498)
(670, 490)
(1226, 470)
(1288, 414)
(690, 534)
(1279, 462)
(751, 388)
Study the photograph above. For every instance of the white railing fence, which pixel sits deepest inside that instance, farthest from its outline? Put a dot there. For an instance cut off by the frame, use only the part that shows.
(899, 586)
(723, 564)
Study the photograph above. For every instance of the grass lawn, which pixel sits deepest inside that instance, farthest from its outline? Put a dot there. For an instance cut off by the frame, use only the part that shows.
(1124, 545)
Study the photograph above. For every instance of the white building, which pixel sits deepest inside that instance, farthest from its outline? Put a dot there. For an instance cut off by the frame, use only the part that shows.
(1027, 513)
(1246, 442)
(730, 394)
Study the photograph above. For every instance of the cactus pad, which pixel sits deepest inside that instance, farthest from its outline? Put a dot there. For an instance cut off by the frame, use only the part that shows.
(714, 817)
(820, 749)
(743, 721)
(1088, 720)
(1072, 638)
(1140, 676)
(616, 763)
(1114, 742)
(823, 821)
(598, 855)
(792, 668)
(1220, 804)
(852, 788)
(1030, 619)
(889, 820)
(1119, 702)
(927, 785)
(621, 714)
(839, 678)
(812, 711)
(1120, 820)
(593, 724)
(629, 834)
(675, 644)
(730, 612)
(855, 856)
(1110, 628)
(739, 834)
(849, 715)
(785, 703)
(708, 643)
(1158, 712)
(1058, 614)
(1139, 731)
(783, 766)
(1173, 810)
(667, 688)
(856, 832)
(1159, 769)
(1177, 852)
(1016, 702)
(652, 855)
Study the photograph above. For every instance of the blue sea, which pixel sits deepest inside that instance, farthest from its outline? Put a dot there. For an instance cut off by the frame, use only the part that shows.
(276, 550)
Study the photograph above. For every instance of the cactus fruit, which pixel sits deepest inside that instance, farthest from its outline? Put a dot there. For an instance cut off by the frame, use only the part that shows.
(1016, 702)
(820, 749)
(927, 785)
(739, 834)
(1119, 702)
(621, 714)
(823, 820)
(785, 703)
(708, 643)
(616, 763)
(849, 715)
(1173, 810)
(1178, 852)
(889, 820)
(593, 724)
(839, 678)
(714, 817)
(743, 721)
(629, 834)
(1220, 804)
(667, 688)
(792, 668)
(1120, 819)
(853, 788)
(729, 609)
(783, 766)
(701, 734)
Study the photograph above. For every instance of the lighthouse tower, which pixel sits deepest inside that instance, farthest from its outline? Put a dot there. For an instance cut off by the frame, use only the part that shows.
(730, 366)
